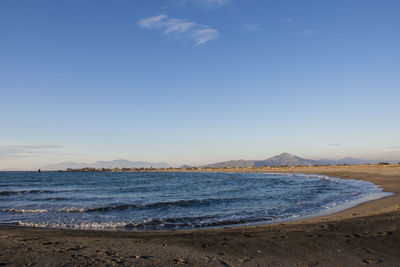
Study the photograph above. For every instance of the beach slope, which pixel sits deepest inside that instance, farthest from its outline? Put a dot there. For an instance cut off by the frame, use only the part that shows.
(366, 234)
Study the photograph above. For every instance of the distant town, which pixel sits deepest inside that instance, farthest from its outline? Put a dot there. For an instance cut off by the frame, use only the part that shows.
(211, 169)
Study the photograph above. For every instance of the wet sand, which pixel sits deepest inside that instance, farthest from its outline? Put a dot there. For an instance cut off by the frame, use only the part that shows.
(366, 234)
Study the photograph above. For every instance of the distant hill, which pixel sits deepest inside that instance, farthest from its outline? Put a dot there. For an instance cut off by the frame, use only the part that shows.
(286, 159)
(121, 163)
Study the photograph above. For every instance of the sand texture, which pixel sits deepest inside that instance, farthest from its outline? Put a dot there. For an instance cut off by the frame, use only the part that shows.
(366, 234)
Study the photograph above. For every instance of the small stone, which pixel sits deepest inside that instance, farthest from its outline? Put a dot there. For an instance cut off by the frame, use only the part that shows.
(244, 259)
(368, 260)
(180, 261)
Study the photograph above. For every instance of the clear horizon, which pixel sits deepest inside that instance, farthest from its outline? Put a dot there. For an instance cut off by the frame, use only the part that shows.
(198, 81)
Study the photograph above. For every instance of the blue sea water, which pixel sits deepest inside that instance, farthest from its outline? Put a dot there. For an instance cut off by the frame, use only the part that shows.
(169, 200)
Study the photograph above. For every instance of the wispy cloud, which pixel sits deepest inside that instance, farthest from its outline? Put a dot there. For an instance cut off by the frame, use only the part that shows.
(204, 3)
(153, 22)
(181, 28)
(18, 151)
(390, 149)
(252, 27)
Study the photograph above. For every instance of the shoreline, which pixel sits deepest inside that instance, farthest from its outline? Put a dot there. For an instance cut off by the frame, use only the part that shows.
(322, 213)
(355, 232)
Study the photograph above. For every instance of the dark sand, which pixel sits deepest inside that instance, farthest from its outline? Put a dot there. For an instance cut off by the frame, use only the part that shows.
(366, 234)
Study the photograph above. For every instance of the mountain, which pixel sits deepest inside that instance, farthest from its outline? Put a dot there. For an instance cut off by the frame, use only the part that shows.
(121, 163)
(286, 159)
(282, 159)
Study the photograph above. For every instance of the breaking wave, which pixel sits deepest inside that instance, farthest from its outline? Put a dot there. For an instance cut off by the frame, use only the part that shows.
(26, 210)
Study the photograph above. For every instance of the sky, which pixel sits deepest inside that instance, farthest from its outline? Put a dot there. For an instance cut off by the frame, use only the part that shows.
(198, 81)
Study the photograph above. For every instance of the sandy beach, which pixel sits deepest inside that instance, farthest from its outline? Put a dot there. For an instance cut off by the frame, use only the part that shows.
(365, 234)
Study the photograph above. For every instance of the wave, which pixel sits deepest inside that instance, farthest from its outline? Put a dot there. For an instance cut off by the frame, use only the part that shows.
(178, 203)
(152, 223)
(26, 210)
(80, 225)
(72, 210)
(183, 222)
(44, 210)
(21, 192)
(53, 199)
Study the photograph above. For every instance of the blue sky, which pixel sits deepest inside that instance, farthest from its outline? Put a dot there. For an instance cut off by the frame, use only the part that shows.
(198, 81)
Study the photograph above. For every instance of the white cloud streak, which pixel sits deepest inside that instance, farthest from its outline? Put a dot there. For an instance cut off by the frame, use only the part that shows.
(18, 151)
(217, 2)
(390, 149)
(153, 22)
(180, 28)
(204, 3)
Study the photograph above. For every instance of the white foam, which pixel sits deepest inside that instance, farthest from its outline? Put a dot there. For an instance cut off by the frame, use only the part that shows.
(72, 210)
(26, 210)
(80, 225)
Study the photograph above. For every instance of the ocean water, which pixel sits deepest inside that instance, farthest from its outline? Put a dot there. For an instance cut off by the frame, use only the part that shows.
(169, 200)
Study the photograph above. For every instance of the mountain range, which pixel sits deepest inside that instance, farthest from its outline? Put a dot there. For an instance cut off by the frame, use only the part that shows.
(286, 159)
(121, 163)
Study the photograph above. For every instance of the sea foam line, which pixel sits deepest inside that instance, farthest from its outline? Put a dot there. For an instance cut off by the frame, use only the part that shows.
(26, 210)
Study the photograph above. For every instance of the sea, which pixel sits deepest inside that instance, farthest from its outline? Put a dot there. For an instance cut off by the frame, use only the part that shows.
(135, 201)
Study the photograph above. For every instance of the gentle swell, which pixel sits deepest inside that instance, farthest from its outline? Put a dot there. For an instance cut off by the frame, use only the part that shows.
(12, 193)
(179, 203)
